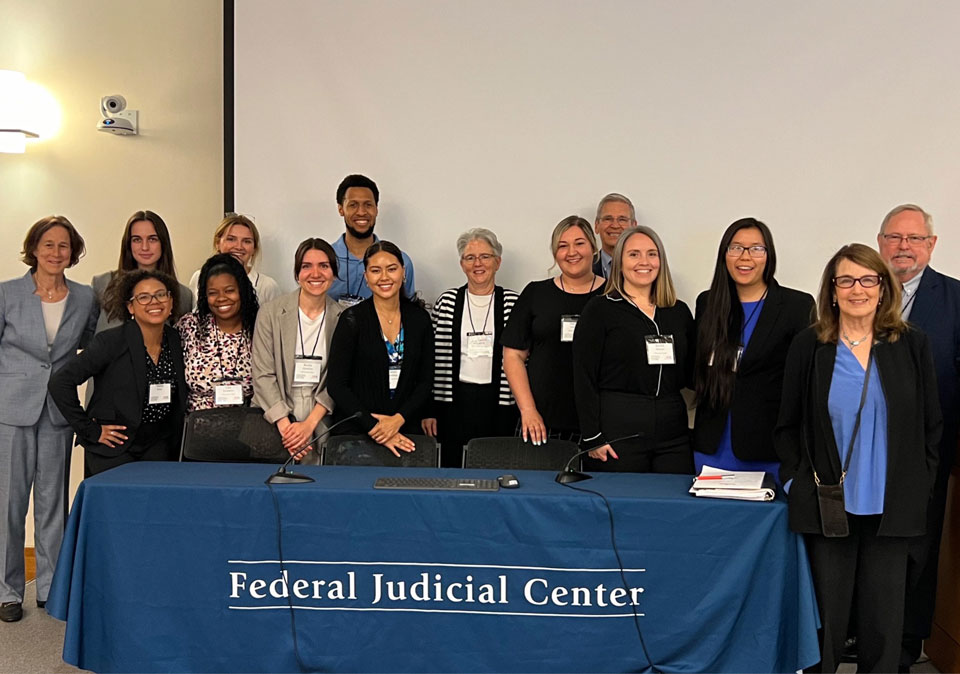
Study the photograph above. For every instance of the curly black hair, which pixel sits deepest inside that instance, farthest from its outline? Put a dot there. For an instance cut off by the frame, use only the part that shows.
(222, 263)
(121, 288)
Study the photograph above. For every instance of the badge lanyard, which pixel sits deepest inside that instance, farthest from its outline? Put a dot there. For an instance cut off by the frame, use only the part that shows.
(743, 329)
(225, 393)
(303, 350)
(906, 307)
(350, 292)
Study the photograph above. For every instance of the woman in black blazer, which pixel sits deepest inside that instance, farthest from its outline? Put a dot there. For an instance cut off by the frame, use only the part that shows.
(381, 356)
(140, 393)
(745, 324)
(859, 419)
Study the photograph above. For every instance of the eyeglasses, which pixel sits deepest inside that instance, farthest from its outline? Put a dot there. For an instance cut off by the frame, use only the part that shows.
(483, 257)
(871, 281)
(736, 250)
(146, 298)
(912, 239)
(609, 220)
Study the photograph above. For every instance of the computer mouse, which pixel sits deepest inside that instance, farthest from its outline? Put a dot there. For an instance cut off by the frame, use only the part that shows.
(509, 481)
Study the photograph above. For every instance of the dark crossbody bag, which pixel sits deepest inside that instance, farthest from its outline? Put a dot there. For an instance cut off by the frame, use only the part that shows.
(833, 514)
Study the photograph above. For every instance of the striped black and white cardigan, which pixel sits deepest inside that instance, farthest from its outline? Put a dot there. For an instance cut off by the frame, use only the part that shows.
(447, 314)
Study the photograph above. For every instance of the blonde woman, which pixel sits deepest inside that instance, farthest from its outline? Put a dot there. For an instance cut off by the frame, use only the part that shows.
(238, 236)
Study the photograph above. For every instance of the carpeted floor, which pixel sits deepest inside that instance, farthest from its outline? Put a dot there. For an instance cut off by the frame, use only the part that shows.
(34, 644)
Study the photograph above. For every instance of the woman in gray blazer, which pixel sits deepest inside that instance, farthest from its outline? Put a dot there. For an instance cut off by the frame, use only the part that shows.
(145, 245)
(291, 344)
(44, 318)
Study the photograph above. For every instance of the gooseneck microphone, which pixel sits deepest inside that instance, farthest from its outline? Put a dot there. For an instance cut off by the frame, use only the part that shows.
(568, 475)
(283, 476)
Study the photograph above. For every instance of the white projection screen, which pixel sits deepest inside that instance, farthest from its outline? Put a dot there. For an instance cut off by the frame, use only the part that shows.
(816, 117)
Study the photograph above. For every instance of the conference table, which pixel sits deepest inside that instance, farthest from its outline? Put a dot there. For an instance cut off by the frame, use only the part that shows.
(202, 567)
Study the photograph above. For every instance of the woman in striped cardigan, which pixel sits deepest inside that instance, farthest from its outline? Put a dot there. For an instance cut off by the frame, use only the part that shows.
(471, 396)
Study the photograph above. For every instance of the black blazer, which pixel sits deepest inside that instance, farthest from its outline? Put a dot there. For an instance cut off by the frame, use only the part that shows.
(913, 430)
(759, 381)
(357, 377)
(115, 359)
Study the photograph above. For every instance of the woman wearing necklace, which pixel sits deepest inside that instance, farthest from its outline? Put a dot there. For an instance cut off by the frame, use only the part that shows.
(538, 337)
(145, 244)
(471, 395)
(381, 357)
(140, 394)
(632, 355)
(857, 439)
(745, 324)
(217, 336)
(291, 347)
(44, 318)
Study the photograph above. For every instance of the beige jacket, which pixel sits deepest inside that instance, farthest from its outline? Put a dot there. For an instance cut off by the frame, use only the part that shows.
(274, 349)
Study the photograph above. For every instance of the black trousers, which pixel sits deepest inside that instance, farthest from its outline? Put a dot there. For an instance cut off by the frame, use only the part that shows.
(663, 442)
(873, 569)
(475, 412)
(153, 442)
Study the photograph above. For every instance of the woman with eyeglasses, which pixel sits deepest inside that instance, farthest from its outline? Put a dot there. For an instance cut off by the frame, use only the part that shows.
(145, 244)
(218, 336)
(538, 339)
(237, 235)
(857, 438)
(470, 391)
(745, 323)
(381, 356)
(631, 359)
(140, 393)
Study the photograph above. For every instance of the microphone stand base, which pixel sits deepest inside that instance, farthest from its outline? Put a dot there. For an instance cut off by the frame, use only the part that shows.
(284, 477)
(568, 476)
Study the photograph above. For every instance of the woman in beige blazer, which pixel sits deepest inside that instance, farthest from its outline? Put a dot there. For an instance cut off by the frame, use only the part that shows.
(291, 344)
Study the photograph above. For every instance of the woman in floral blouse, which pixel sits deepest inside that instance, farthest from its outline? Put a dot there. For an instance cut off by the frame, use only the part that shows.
(218, 336)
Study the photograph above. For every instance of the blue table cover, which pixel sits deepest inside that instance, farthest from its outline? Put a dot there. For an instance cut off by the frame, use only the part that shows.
(170, 567)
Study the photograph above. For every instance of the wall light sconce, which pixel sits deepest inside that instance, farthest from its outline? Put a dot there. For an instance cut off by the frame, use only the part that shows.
(14, 126)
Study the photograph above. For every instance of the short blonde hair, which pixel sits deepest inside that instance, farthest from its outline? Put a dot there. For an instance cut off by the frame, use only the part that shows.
(229, 221)
(662, 292)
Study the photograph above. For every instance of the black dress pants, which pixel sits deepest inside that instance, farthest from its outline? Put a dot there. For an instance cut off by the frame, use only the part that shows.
(152, 442)
(873, 569)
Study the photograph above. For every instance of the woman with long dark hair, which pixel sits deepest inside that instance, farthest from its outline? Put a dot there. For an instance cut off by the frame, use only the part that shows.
(381, 357)
(218, 336)
(745, 324)
(858, 437)
(145, 244)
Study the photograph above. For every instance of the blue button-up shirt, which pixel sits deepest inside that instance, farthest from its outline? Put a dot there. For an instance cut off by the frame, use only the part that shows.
(350, 280)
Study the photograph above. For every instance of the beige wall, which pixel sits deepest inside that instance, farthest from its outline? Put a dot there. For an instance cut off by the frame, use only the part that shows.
(165, 57)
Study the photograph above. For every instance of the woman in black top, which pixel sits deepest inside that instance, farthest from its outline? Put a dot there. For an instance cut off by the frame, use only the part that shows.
(632, 355)
(745, 324)
(140, 393)
(538, 337)
(381, 356)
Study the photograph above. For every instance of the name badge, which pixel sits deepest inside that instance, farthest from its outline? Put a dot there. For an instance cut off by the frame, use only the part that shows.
(479, 345)
(660, 350)
(228, 394)
(393, 376)
(306, 371)
(159, 393)
(347, 301)
(568, 324)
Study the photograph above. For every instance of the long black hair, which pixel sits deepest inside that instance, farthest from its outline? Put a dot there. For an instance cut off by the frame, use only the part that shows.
(223, 263)
(392, 248)
(718, 330)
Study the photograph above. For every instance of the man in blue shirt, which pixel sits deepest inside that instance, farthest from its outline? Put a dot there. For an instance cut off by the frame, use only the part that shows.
(357, 201)
(931, 302)
(615, 213)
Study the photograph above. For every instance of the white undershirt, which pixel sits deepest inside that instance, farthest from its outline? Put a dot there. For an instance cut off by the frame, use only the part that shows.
(310, 329)
(52, 315)
(478, 370)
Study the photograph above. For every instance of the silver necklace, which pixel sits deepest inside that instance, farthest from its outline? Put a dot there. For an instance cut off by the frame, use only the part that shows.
(855, 342)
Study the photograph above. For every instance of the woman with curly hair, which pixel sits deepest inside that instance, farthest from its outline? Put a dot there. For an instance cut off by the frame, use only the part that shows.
(218, 336)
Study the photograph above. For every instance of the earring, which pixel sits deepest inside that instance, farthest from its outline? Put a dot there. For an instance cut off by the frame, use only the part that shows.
(834, 301)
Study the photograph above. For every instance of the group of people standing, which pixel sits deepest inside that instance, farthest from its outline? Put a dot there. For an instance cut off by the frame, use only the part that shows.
(839, 397)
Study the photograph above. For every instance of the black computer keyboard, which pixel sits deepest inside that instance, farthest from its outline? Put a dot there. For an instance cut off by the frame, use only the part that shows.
(445, 483)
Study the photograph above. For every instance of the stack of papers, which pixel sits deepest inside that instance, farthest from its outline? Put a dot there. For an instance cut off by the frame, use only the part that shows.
(744, 485)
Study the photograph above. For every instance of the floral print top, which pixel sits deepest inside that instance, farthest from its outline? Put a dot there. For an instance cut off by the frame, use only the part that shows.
(215, 358)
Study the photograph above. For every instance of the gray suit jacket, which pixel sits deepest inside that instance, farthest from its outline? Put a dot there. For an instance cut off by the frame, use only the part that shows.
(100, 282)
(274, 352)
(25, 360)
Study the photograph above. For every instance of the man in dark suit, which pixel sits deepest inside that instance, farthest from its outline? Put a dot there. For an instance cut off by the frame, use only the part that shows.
(615, 213)
(931, 302)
